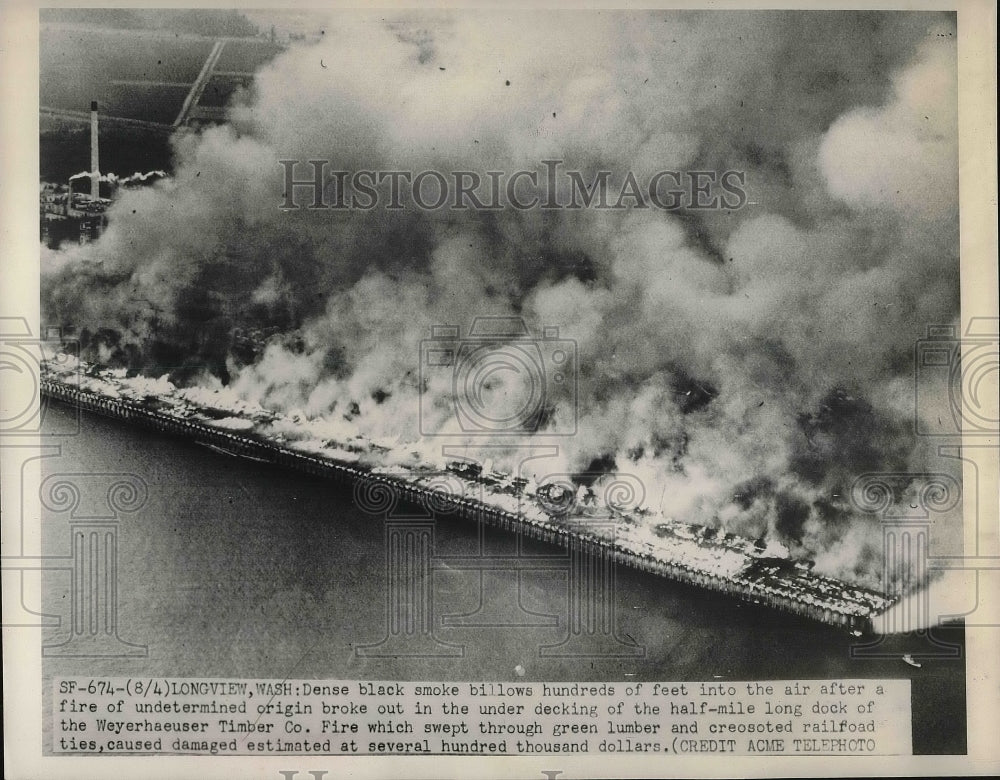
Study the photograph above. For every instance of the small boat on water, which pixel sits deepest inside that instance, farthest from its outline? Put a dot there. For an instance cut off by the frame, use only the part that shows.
(910, 660)
(231, 453)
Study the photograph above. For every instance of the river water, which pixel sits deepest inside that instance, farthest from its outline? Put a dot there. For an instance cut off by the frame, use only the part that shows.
(232, 568)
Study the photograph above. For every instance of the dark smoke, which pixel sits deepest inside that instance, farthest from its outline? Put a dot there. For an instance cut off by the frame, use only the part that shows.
(744, 365)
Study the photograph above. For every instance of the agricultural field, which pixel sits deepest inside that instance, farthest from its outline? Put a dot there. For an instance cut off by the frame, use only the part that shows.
(150, 102)
(77, 65)
(246, 56)
(140, 74)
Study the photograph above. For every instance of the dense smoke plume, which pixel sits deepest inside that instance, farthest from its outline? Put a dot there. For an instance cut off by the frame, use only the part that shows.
(745, 365)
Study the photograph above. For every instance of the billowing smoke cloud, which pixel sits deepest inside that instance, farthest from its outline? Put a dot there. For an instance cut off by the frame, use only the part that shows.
(745, 365)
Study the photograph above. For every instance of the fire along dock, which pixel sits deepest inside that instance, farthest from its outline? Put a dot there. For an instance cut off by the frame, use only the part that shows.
(750, 570)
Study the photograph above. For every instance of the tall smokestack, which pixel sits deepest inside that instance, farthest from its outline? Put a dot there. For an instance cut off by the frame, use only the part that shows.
(95, 163)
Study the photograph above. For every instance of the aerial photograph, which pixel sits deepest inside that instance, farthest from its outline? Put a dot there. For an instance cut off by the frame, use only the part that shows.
(502, 347)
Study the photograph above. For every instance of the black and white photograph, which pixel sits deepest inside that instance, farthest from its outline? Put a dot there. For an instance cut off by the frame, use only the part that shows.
(501, 392)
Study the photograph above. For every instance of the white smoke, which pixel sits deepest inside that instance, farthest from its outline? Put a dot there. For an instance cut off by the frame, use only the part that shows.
(744, 365)
(116, 179)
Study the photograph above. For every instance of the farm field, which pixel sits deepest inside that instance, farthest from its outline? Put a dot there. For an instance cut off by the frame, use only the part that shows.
(77, 65)
(139, 74)
(246, 56)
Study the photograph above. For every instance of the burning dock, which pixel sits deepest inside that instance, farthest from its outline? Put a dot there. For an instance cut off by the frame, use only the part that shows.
(553, 512)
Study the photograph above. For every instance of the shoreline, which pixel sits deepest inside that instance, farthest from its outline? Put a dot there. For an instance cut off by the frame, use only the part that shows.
(731, 566)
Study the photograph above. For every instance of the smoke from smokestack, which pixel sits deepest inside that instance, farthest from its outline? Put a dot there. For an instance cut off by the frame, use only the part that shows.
(745, 365)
